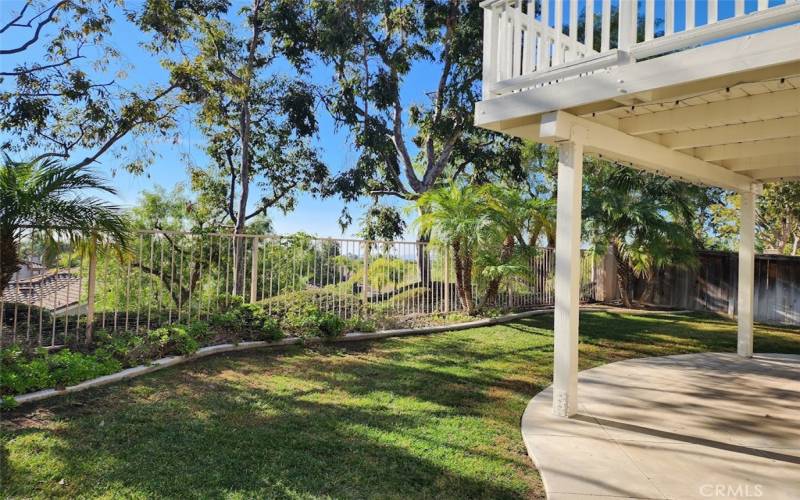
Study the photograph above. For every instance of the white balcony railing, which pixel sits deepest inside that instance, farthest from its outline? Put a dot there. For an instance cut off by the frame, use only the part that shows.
(528, 43)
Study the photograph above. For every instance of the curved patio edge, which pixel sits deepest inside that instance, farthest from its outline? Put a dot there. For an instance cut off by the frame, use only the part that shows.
(666, 426)
(169, 361)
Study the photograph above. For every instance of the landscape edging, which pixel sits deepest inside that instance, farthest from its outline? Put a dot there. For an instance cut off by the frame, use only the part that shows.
(169, 361)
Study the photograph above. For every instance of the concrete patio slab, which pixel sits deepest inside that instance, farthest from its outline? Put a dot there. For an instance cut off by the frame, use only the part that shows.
(692, 426)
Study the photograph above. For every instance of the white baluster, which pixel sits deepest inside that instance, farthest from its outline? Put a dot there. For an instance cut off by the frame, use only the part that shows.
(588, 37)
(627, 26)
(739, 9)
(516, 19)
(545, 40)
(502, 46)
(649, 19)
(490, 25)
(669, 14)
(712, 11)
(689, 14)
(573, 19)
(530, 37)
(605, 30)
(763, 4)
(559, 27)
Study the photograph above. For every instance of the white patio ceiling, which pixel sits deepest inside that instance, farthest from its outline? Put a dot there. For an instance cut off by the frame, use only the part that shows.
(752, 129)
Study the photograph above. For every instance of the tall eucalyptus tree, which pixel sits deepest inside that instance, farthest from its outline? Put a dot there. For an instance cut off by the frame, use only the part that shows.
(257, 118)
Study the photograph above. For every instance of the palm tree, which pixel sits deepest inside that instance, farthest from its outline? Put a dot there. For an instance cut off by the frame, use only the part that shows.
(518, 219)
(48, 195)
(455, 216)
(645, 220)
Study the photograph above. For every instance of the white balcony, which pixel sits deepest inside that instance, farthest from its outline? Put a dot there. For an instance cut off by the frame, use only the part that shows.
(524, 47)
(705, 91)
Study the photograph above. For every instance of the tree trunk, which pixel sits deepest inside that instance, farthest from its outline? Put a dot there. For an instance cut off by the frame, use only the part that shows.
(239, 244)
(466, 281)
(424, 258)
(649, 287)
(506, 252)
(623, 277)
(9, 260)
(462, 262)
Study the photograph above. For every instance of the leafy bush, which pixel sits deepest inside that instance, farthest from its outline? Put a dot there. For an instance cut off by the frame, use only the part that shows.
(25, 372)
(249, 321)
(172, 340)
(326, 299)
(360, 325)
(330, 325)
(411, 301)
(20, 312)
(134, 348)
(308, 321)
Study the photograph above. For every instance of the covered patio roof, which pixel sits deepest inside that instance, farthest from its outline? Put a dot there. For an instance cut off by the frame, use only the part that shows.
(717, 104)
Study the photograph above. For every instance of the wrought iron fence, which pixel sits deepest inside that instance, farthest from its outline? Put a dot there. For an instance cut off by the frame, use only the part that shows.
(57, 297)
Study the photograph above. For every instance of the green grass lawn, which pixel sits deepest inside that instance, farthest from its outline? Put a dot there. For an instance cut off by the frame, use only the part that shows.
(424, 417)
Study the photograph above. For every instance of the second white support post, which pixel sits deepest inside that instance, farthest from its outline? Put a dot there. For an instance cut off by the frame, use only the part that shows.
(567, 285)
(744, 344)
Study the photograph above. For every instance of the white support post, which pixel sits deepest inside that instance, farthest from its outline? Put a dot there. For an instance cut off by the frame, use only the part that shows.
(567, 285)
(746, 274)
(626, 33)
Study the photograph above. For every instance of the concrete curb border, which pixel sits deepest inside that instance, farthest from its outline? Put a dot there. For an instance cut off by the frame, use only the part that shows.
(169, 361)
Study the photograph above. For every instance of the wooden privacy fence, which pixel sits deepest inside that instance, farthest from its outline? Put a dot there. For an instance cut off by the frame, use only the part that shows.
(713, 286)
(178, 277)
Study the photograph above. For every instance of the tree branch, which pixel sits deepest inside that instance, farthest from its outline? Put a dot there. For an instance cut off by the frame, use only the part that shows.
(272, 201)
(232, 188)
(389, 192)
(38, 31)
(443, 78)
(441, 162)
(13, 22)
(27, 71)
(123, 130)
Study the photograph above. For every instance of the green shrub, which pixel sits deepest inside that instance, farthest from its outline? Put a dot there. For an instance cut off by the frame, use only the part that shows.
(308, 321)
(25, 372)
(135, 348)
(21, 313)
(330, 325)
(199, 331)
(69, 368)
(172, 340)
(328, 299)
(248, 321)
(360, 325)
(7, 402)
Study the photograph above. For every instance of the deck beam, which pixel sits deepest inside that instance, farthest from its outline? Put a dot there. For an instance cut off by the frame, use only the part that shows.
(749, 149)
(728, 111)
(640, 153)
(729, 134)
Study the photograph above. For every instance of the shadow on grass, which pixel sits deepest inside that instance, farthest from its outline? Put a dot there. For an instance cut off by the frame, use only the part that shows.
(424, 417)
